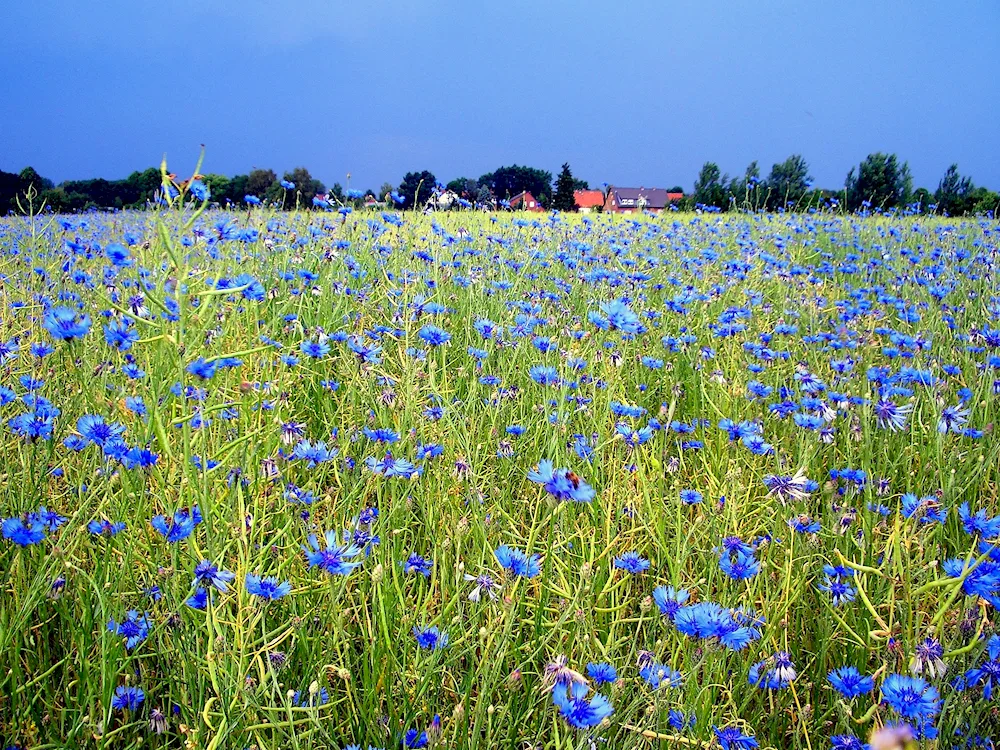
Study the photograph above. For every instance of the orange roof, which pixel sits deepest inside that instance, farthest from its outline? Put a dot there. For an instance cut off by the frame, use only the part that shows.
(588, 198)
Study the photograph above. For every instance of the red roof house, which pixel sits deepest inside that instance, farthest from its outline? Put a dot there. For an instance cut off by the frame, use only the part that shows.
(525, 202)
(588, 200)
(633, 200)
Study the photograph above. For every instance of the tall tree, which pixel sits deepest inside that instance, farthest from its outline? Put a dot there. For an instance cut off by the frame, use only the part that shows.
(710, 187)
(952, 195)
(506, 182)
(306, 185)
(416, 188)
(881, 182)
(562, 199)
(788, 182)
(259, 181)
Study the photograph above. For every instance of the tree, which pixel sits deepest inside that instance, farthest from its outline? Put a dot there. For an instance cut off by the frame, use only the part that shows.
(306, 186)
(710, 187)
(506, 182)
(416, 188)
(952, 195)
(579, 184)
(881, 182)
(788, 182)
(923, 198)
(259, 181)
(464, 187)
(218, 187)
(563, 199)
(385, 191)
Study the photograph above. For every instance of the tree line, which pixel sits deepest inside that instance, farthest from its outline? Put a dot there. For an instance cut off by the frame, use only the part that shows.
(881, 182)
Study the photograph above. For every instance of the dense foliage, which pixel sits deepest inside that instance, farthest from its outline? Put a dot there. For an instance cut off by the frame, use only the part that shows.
(319, 479)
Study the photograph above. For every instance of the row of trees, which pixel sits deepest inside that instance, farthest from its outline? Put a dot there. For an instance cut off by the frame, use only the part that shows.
(881, 181)
(140, 188)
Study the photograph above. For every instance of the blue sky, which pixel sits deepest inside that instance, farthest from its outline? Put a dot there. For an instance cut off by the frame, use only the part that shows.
(638, 93)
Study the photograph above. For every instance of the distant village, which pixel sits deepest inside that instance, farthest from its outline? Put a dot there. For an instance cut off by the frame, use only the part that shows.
(619, 200)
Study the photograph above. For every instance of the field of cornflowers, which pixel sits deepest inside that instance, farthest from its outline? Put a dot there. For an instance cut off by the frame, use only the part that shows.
(329, 479)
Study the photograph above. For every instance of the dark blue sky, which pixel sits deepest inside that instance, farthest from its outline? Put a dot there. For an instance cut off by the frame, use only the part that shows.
(638, 93)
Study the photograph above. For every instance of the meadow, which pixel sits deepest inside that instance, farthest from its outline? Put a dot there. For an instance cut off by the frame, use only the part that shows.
(307, 479)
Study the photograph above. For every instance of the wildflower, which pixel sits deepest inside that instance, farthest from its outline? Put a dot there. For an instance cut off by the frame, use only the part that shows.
(23, 531)
(839, 590)
(927, 659)
(601, 672)
(134, 628)
(517, 562)
(731, 738)
(773, 673)
(315, 349)
(65, 324)
(562, 484)
(987, 674)
(180, 527)
(892, 416)
(690, 497)
(739, 565)
(127, 698)
(417, 564)
(208, 574)
(268, 589)
(849, 682)
(335, 559)
(669, 600)
(434, 336)
(484, 583)
(913, 699)
(157, 721)
(103, 527)
(953, 419)
(632, 563)
(660, 675)
(558, 673)
(430, 639)
(313, 454)
(577, 710)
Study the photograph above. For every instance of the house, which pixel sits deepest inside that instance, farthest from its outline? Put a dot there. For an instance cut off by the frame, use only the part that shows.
(588, 200)
(525, 202)
(634, 200)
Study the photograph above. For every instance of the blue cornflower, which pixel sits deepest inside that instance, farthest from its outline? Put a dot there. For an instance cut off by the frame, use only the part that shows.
(134, 628)
(601, 672)
(127, 698)
(987, 674)
(335, 559)
(576, 709)
(180, 527)
(850, 683)
(632, 563)
(65, 324)
(267, 588)
(392, 467)
(417, 564)
(978, 522)
(94, 429)
(690, 497)
(669, 600)
(23, 531)
(209, 574)
(315, 349)
(839, 590)
(313, 454)
(517, 562)
(913, 698)
(202, 369)
(847, 742)
(434, 335)
(544, 375)
(561, 483)
(731, 738)
(660, 675)
(773, 673)
(953, 419)
(430, 638)
(740, 564)
(103, 527)
(118, 255)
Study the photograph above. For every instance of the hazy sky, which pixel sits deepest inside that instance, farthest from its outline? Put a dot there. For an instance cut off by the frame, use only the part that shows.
(636, 93)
